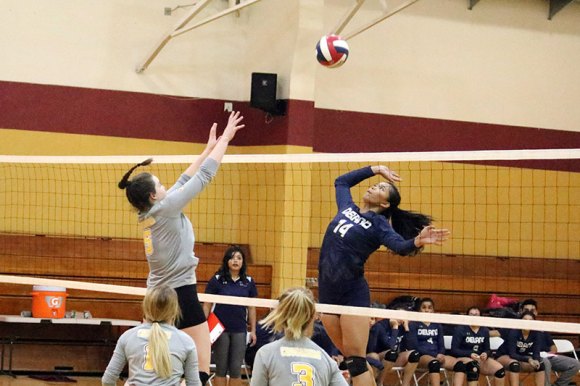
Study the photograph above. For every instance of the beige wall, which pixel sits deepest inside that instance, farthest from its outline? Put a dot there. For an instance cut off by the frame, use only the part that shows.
(503, 62)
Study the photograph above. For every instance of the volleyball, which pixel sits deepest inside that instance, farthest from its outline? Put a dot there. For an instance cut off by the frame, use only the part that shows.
(332, 51)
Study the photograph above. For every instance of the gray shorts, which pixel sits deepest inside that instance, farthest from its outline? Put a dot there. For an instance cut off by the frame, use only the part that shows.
(228, 354)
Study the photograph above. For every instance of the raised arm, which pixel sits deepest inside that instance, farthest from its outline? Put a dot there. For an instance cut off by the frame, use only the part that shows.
(211, 142)
(343, 183)
(229, 133)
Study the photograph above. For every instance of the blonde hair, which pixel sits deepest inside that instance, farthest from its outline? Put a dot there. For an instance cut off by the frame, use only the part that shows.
(160, 305)
(294, 313)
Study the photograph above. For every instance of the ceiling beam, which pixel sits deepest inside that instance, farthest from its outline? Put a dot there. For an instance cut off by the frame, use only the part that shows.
(471, 4)
(556, 6)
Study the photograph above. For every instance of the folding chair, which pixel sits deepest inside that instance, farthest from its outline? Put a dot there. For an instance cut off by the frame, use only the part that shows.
(424, 372)
(399, 370)
(447, 339)
(564, 346)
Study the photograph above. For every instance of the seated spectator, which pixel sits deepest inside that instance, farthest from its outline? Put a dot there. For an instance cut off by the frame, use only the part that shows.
(470, 344)
(566, 367)
(521, 352)
(394, 331)
(427, 338)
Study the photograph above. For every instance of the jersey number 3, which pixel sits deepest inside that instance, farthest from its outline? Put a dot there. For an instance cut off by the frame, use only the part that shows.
(342, 228)
(304, 373)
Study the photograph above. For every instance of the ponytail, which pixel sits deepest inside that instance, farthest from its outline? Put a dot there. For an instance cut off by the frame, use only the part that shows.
(124, 183)
(294, 313)
(160, 305)
(406, 223)
(159, 351)
(139, 188)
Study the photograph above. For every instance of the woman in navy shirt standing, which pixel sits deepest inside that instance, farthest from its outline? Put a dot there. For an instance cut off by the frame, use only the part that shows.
(350, 238)
(229, 349)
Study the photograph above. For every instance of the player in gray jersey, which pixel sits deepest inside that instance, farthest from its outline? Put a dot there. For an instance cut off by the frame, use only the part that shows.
(157, 352)
(168, 234)
(294, 359)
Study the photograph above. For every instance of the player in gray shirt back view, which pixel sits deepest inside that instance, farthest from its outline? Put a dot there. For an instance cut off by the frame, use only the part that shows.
(157, 352)
(294, 359)
(168, 234)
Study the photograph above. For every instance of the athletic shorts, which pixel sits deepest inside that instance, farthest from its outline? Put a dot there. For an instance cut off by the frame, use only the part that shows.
(191, 310)
(354, 293)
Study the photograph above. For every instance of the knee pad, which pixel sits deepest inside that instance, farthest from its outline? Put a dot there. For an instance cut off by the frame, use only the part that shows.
(472, 371)
(459, 367)
(434, 366)
(500, 373)
(414, 357)
(514, 367)
(342, 366)
(542, 367)
(391, 356)
(356, 366)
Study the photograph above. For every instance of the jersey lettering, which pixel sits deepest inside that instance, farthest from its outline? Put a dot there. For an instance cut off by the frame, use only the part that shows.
(523, 346)
(304, 374)
(342, 228)
(427, 332)
(148, 241)
(474, 339)
(356, 218)
(147, 361)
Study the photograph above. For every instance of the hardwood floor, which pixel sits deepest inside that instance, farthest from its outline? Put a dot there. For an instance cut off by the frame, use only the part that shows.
(23, 380)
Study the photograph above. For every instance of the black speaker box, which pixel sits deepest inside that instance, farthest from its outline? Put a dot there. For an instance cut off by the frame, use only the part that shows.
(263, 95)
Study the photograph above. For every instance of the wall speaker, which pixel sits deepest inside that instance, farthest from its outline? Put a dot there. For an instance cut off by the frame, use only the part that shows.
(263, 95)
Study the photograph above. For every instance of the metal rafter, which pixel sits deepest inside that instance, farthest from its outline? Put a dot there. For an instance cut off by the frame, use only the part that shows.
(180, 27)
(556, 6)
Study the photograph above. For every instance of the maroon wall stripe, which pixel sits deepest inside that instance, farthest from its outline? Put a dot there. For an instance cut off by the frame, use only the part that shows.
(77, 110)
(347, 131)
(86, 111)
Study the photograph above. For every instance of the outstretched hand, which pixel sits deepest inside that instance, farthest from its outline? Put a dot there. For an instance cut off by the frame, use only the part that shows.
(388, 174)
(233, 125)
(212, 140)
(431, 235)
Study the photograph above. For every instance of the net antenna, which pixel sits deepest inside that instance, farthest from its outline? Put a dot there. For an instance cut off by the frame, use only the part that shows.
(354, 9)
(181, 27)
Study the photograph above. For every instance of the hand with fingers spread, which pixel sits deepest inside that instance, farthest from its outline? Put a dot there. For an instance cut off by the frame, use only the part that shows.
(431, 235)
(233, 126)
(387, 173)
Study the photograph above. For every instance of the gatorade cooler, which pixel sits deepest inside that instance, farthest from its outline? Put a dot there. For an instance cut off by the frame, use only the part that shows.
(48, 302)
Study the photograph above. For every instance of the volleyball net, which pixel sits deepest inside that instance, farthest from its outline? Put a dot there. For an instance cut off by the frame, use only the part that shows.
(514, 219)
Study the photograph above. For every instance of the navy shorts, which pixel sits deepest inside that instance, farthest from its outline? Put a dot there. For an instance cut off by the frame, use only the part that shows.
(353, 293)
(191, 310)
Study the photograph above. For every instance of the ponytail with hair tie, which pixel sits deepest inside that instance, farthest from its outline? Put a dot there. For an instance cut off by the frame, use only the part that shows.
(125, 180)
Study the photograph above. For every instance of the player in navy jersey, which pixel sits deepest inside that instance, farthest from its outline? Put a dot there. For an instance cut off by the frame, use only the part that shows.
(229, 349)
(350, 238)
(470, 344)
(391, 337)
(521, 352)
(427, 339)
(566, 367)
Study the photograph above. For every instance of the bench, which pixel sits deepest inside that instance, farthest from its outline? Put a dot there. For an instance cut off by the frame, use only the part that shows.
(458, 282)
(106, 261)
(28, 343)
